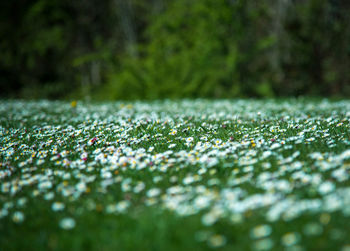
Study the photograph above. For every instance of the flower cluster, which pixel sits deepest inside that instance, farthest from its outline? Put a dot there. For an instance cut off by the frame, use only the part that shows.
(221, 160)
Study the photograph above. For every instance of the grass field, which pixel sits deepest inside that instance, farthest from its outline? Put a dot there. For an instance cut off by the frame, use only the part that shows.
(175, 175)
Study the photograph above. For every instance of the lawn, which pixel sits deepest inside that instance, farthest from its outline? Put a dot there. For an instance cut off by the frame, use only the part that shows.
(175, 175)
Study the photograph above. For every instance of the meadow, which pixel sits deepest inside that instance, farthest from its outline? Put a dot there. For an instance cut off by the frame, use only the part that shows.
(175, 175)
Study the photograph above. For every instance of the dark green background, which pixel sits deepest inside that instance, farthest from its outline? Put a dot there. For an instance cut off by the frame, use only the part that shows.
(120, 49)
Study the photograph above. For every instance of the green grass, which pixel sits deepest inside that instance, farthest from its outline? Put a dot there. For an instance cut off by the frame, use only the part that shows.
(175, 175)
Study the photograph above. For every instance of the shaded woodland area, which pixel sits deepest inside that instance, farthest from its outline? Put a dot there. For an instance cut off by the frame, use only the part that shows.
(146, 49)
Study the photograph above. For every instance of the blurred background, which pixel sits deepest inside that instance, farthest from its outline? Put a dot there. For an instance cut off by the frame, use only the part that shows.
(150, 49)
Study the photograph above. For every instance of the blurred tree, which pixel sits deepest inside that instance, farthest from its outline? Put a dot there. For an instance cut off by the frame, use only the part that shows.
(33, 38)
(52, 45)
(174, 48)
(316, 54)
(194, 49)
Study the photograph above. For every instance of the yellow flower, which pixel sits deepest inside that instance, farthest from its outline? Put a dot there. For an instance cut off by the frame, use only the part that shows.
(73, 104)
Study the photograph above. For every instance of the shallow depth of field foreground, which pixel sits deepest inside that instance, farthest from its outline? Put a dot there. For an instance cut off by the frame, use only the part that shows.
(175, 175)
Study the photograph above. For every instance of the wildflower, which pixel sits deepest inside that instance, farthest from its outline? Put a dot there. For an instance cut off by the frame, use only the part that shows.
(260, 231)
(81, 187)
(209, 219)
(73, 104)
(18, 217)
(313, 228)
(173, 132)
(263, 244)
(153, 192)
(189, 139)
(57, 206)
(67, 223)
(92, 141)
(45, 185)
(217, 241)
(326, 187)
(172, 145)
(290, 239)
(122, 206)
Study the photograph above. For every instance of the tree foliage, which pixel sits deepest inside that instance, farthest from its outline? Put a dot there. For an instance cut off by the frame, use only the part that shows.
(174, 48)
